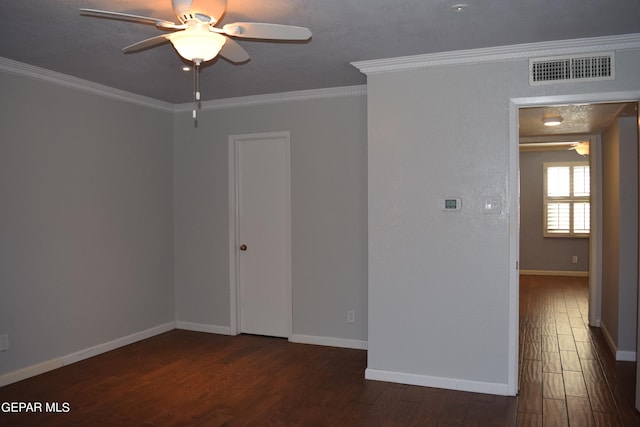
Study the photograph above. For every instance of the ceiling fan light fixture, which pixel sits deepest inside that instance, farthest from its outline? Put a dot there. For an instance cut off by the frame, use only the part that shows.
(197, 44)
(552, 121)
(582, 148)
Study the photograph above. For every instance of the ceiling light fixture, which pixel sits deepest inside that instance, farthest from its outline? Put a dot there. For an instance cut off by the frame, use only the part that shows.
(552, 121)
(197, 43)
(582, 148)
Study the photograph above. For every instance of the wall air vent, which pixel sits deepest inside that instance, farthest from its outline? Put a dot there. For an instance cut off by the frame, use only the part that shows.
(572, 68)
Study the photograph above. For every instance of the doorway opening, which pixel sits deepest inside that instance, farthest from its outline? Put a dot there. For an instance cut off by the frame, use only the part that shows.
(592, 119)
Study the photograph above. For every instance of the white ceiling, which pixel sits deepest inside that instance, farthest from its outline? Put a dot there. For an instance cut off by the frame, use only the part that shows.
(52, 34)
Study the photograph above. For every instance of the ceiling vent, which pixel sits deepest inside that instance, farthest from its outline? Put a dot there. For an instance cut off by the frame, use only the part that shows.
(572, 68)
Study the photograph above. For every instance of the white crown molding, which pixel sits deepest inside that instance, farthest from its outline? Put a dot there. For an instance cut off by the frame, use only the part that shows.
(42, 74)
(301, 95)
(60, 79)
(501, 53)
(494, 54)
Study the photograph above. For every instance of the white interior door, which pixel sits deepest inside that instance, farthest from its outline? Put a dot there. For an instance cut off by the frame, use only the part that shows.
(263, 230)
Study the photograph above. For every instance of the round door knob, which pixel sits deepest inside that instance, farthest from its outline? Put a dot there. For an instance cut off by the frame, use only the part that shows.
(243, 247)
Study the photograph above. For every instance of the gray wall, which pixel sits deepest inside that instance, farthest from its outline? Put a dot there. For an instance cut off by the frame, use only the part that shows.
(102, 198)
(86, 223)
(439, 282)
(536, 251)
(620, 233)
(329, 211)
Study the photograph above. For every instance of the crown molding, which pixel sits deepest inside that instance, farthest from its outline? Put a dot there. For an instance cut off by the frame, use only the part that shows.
(21, 69)
(501, 53)
(301, 95)
(42, 74)
(471, 56)
(546, 146)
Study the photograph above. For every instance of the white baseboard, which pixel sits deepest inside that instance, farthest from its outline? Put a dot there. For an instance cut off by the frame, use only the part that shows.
(49, 365)
(328, 341)
(437, 382)
(607, 337)
(295, 338)
(625, 356)
(619, 355)
(30, 371)
(117, 343)
(201, 327)
(554, 273)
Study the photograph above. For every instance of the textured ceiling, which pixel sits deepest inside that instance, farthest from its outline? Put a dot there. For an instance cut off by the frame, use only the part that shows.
(53, 35)
(578, 119)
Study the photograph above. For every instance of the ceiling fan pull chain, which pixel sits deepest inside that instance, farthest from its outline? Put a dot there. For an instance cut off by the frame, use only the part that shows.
(196, 91)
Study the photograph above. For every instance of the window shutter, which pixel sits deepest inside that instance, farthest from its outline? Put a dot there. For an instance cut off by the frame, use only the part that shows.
(558, 184)
(581, 213)
(558, 217)
(566, 199)
(581, 184)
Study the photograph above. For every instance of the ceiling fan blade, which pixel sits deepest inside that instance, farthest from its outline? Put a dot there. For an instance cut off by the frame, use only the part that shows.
(129, 17)
(233, 52)
(255, 30)
(144, 44)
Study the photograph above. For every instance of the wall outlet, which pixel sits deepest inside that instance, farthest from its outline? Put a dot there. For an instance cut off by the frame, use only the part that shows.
(574, 259)
(351, 316)
(4, 342)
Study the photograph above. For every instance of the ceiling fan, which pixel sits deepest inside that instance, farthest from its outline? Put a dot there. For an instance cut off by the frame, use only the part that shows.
(581, 148)
(197, 39)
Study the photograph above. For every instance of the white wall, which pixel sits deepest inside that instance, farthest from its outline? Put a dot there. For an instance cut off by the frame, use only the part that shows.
(439, 282)
(86, 223)
(438, 294)
(620, 236)
(629, 236)
(329, 232)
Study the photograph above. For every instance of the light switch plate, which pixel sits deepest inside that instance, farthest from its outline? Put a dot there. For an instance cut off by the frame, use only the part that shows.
(492, 205)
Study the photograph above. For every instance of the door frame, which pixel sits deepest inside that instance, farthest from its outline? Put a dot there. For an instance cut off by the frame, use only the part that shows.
(234, 252)
(595, 283)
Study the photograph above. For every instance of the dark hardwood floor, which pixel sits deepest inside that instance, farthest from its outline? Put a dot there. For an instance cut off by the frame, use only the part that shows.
(182, 378)
(568, 375)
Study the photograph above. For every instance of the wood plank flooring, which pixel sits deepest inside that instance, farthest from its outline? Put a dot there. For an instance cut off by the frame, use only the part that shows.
(184, 378)
(568, 376)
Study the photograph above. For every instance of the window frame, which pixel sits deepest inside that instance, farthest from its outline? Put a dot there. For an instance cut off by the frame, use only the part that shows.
(572, 199)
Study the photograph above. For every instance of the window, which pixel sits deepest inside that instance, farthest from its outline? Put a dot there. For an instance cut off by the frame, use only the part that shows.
(566, 199)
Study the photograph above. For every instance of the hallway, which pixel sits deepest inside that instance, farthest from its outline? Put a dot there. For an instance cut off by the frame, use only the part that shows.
(567, 373)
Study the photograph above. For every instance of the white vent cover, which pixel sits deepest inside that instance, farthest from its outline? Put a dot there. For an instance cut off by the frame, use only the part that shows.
(572, 68)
